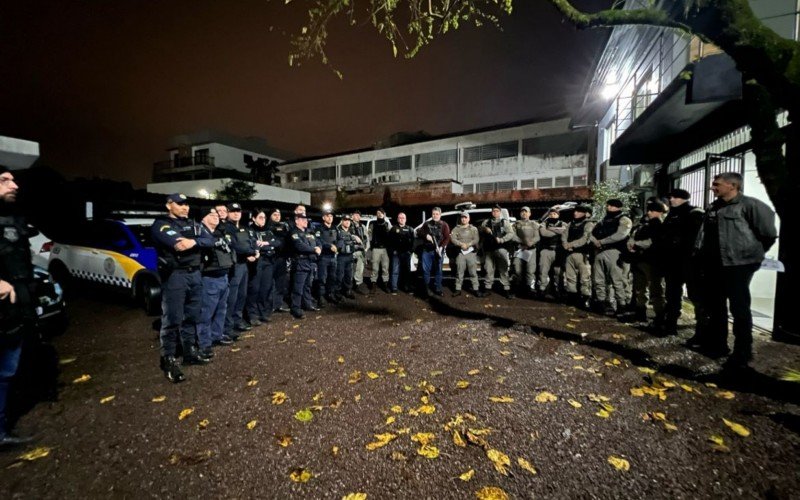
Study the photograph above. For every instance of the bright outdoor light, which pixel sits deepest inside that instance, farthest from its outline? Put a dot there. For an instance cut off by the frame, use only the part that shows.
(204, 193)
(610, 91)
(327, 206)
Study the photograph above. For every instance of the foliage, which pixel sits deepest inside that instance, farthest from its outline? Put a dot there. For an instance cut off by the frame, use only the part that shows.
(236, 190)
(607, 190)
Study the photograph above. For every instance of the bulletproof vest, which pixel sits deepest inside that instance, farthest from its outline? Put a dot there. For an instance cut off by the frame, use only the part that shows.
(348, 243)
(576, 229)
(327, 236)
(607, 226)
(380, 232)
(17, 269)
(402, 238)
(218, 258)
(358, 230)
(280, 230)
(498, 231)
(435, 230)
(525, 230)
(551, 242)
(171, 258)
(263, 234)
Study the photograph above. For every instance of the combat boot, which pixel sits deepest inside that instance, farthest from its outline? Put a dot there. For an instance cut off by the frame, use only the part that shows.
(169, 365)
(192, 356)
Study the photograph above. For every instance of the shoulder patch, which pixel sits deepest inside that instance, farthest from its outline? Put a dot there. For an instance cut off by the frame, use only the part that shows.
(295, 236)
(165, 227)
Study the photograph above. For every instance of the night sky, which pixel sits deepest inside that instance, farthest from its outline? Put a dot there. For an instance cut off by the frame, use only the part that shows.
(104, 85)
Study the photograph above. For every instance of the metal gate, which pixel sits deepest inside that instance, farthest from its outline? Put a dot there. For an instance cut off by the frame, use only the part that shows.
(697, 178)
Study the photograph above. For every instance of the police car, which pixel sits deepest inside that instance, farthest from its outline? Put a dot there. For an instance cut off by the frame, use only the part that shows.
(118, 254)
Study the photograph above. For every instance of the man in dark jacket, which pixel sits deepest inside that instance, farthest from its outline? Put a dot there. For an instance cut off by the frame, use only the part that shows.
(245, 249)
(401, 244)
(644, 252)
(736, 233)
(216, 264)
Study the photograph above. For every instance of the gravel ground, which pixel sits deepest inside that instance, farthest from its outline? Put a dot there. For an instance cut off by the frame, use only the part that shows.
(397, 366)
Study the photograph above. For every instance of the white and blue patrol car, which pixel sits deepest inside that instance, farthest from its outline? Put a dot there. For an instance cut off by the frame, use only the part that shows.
(114, 253)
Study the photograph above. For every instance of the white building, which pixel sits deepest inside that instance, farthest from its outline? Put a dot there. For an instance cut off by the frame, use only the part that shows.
(533, 155)
(668, 114)
(200, 164)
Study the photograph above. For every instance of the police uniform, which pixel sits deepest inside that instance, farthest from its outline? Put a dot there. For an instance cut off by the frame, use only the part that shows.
(304, 263)
(550, 254)
(609, 237)
(526, 233)
(644, 247)
(18, 318)
(401, 244)
(344, 264)
(359, 257)
(244, 246)
(466, 235)
(578, 264)
(494, 252)
(280, 275)
(181, 287)
(260, 302)
(329, 240)
(217, 262)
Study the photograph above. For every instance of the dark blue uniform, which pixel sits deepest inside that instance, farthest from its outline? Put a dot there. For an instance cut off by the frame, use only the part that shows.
(304, 263)
(259, 291)
(330, 240)
(344, 264)
(243, 246)
(281, 273)
(181, 284)
(401, 244)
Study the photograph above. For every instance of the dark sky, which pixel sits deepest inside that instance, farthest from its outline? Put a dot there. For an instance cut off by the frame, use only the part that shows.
(104, 85)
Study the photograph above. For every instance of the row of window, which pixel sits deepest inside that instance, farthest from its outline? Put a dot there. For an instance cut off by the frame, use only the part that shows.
(540, 183)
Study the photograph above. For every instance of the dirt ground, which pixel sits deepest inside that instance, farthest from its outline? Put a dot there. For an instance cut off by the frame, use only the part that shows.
(513, 379)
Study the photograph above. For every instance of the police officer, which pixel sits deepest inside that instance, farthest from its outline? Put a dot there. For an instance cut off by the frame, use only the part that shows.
(496, 232)
(259, 290)
(280, 230)
(178, 241)
(645, 255)
(578, 264)
(435, 235)
(217, 262)
(304, 258)
(378, 242)
(344, 260)
(526, 232)
(550, 253)
(466, 238)
(609, 238)
(329, 239)
(359, 256)
(245, 249)
(17, 313)
(401, 244)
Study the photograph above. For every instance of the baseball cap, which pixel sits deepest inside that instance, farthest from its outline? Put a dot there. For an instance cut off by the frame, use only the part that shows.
(178, 198)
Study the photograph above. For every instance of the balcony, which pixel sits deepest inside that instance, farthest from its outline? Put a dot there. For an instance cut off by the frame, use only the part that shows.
(192, 168)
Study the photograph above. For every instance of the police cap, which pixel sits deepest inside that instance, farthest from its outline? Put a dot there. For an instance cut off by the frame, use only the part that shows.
(584, 209)
(178, 198)
(346, 217)
(234, 207)
(614, 202)
(525, 209)
(679, 193)
(655, 206)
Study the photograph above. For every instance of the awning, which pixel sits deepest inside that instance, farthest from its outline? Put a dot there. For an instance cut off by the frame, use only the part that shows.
(686, 115)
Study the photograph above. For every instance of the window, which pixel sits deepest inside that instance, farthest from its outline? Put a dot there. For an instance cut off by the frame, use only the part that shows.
(392, 164)
(323, 174)
(546, 182)
(362, 169)
(506, 185)
(202, 157)
(491, 151)
(528, 184)
(484, 187)
(469, 188)
(563, 181)
(579, 180)
(437, 158)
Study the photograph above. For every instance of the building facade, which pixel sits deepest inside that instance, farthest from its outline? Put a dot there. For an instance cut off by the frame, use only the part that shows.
(668, 113)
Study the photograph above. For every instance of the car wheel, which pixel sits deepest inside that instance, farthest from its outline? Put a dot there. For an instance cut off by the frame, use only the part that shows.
(148, 294)
(60, 274)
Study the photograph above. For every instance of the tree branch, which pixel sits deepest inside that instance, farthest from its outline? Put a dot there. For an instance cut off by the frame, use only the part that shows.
(617, 17)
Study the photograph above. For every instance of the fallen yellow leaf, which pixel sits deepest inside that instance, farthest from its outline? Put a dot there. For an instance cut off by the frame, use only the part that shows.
(66, 361)
(390, 420)
(335, 450)
(304, 415)
(278, 397)
(501, 399)
(355, 496)
(82, 379)
(462, 384)
(372, 375)
(725, 394)
(686, 388)
(574, 403)
(381, 440)
(546, 397)
(423, 438)
(311, 341)
(397, 456)
(185, 413)
(252, 424)
(107, 399)
(203, 424)
(436, 373)
(252, 383)
(428, 451)
(300, 475)
(646, 370)
(355, 377)
(506, 353)
(426, 409)
(619, 463)
(284, 441)
(340, 360)
(504, 339)
(670, 427)
(159, 399)
(603, 413)
(397, 409)
(458, 440)
(357, 397)
(737, 428)
(236, 349)
(499, 459)
(491, 493)
(637, 391)
(526, 465)
(467, 475)
(718, 444)
(578, 357)
(35, 454)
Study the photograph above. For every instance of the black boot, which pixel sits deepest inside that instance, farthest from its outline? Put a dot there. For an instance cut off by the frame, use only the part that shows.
(171, 369)
(192, 356)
